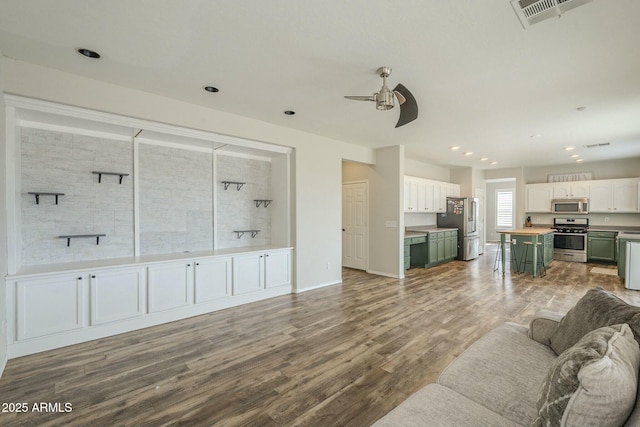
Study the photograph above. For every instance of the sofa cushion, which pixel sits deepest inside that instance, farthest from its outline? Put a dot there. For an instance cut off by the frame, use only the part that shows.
(502, 371)
(597, 308)
(437, 406)
(592, 383)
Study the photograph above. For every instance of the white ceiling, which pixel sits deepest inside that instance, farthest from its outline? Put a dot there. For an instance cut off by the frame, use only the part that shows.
(482, 81)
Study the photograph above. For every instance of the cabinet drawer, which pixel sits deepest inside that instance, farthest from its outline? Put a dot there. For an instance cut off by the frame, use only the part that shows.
(420, 239)
(433, 236)
(603, 234)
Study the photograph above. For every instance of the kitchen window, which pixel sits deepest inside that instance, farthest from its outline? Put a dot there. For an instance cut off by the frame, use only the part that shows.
(504, 209)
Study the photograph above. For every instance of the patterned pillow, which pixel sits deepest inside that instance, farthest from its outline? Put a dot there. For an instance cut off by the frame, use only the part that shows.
(593, 383)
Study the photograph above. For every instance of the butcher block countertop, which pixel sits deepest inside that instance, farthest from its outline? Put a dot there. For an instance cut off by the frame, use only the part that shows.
(529, 231)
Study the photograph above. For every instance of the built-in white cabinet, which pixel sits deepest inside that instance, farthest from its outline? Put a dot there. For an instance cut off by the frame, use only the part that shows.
(427, 196)
(277, 269)
(614, 196)
(117, 294)
(49, 305)
(571, 190)
(253, 272)
(62, 308)
(605, 196)
(212, 279)
(538, 197)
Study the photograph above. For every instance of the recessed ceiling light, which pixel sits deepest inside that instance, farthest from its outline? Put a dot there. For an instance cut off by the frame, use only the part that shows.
(211, 89)
(535, 135)
(569, 148)
(581, 108)
(88, 53)
(579, 160)
(484, 159)
(494, 163)
(455, 147)
(289, 112)
(575, 155)
(468, 153)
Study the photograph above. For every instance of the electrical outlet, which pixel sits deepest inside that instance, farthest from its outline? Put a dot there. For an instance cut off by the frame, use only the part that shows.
(606, 219)
(392, 224)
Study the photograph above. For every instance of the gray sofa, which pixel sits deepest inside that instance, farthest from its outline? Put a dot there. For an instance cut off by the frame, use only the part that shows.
(514, 375)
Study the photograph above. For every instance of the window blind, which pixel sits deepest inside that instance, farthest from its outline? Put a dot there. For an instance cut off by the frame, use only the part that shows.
(504, 209)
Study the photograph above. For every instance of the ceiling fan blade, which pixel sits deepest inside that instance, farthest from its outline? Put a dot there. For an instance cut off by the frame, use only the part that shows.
(361, 98)
(401, 99)
(408, 108)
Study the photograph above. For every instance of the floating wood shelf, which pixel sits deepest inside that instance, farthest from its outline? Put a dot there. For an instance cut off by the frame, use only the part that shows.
(237, 184)
(240, 233)
(100, 173)
(38, 194)
(75, 236)
(261, 201)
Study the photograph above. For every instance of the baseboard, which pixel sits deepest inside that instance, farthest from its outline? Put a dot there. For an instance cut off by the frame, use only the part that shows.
(380, 273)
(322, 285)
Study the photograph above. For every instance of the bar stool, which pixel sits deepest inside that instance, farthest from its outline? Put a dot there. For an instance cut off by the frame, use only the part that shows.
(512, 260)
(539, 262)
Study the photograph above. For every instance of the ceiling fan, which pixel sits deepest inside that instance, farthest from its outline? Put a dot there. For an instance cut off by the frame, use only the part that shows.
(384, 99)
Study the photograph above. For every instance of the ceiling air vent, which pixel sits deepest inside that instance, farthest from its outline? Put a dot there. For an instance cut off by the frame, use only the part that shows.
(533, 11)
(602, 144)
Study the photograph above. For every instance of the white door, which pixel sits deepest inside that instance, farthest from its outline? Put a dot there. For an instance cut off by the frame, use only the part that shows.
(479, 194)
(355, 212)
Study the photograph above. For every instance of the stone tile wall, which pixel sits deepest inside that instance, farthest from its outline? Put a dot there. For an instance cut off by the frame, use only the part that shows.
(236, 210)
(62, 162)
(176, 200)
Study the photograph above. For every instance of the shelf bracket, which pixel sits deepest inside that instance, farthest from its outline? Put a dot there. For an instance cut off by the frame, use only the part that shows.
(118, 174)
(262, 201)
(72, 236)
(38, 194)
(228, 183)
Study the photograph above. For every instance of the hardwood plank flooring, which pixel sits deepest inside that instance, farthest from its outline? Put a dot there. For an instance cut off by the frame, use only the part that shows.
(344, 355)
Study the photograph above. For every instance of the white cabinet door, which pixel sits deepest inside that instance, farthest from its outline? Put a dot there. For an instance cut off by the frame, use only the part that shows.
(170, 285)
(248, 273)
(539, 197)
(439, 198)
(410, 194)
(212, 278)
(600, 196)
(49, 305)
(453, 190)
(571, 190)
(277, 268)
(625, 195)
(117, 295)
(428, 197)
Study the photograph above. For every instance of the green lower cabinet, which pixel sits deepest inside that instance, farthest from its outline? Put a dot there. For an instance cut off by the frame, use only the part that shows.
(442, 247)
(415, 252)
(548, 248)
(601, 246)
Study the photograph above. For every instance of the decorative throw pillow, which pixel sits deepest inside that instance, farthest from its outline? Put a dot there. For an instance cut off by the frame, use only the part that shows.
(593, 383)
(597, 308)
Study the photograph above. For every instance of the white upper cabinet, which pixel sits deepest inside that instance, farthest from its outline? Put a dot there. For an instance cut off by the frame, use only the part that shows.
(614, 195)
(571, 190)
(427, 196)
(539, 197)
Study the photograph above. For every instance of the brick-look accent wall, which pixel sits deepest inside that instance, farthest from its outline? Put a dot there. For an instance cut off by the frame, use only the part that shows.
(62, 162)
(176, 193)
(236, 210)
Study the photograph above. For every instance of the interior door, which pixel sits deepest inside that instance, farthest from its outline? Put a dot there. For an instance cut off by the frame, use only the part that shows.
(355, 211)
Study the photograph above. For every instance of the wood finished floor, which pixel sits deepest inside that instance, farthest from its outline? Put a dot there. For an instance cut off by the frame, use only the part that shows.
(344, 355)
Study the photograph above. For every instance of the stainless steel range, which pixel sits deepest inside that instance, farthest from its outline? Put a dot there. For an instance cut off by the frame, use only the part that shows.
(570, 239)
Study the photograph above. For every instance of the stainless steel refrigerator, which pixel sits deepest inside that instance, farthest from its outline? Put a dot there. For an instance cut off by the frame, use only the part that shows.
(462, 213)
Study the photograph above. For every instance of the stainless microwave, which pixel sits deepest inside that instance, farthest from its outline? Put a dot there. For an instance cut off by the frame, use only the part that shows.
(570, 206)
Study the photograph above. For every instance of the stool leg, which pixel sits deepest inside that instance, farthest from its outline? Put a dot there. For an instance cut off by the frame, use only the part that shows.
(496, 263)
(523, 262)
(515, 267)
(541, 259)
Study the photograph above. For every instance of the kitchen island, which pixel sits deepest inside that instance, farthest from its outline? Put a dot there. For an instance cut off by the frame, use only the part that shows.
(528, 236)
